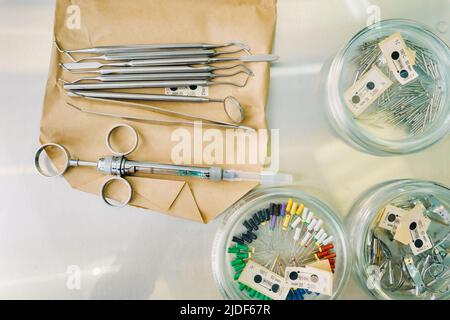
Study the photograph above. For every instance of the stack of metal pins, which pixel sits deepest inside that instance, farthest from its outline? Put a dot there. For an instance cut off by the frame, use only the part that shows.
(413, 106)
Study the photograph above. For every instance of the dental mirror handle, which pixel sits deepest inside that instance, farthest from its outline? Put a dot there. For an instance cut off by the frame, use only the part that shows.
(136, 84)
(136, 96)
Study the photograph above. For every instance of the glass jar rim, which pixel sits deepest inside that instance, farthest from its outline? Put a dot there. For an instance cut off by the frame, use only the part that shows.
(379, 194)
(243, 206)
(349, 129)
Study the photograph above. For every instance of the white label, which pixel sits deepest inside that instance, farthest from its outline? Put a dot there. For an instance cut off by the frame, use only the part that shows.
(313, 279)
(420, 242)
(366, 90)
(264, 281)
(402, 232)
(419, 210)
(398, 57)
(391, 218)
(193, 91)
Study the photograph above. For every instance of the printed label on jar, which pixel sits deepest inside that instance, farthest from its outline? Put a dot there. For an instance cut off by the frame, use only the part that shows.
(366, 90)
(310, 278)
(391, 218)
(264, 281)
(412, 230)
(399, 58)
(420, 242)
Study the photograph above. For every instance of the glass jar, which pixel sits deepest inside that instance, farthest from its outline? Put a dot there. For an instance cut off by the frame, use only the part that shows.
(390, 269)
(261, 198)
(402, 118)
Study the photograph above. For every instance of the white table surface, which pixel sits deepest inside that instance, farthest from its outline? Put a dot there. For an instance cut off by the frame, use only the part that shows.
(45, 226)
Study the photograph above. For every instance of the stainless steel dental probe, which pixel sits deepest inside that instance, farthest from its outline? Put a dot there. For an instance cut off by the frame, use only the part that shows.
(150, 47)
(168, 62)
(159, 76)
(163, 69)
(148, 84)
(157, 55)
(118, 165)
(231, 105)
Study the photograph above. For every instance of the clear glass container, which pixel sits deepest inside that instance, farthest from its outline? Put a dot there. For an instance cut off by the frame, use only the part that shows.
(390, 278)
(404, 118)
(260, 199)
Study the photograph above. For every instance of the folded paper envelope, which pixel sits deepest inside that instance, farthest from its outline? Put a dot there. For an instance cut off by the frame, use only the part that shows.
(88, 23)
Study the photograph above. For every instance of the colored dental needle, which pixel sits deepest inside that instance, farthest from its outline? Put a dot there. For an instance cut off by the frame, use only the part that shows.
(281, 235)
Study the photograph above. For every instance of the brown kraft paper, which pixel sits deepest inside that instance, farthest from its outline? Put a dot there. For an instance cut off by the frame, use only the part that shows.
(117, 22)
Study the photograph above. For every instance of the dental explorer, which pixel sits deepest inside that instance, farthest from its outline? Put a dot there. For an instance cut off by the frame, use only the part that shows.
(168, 62)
